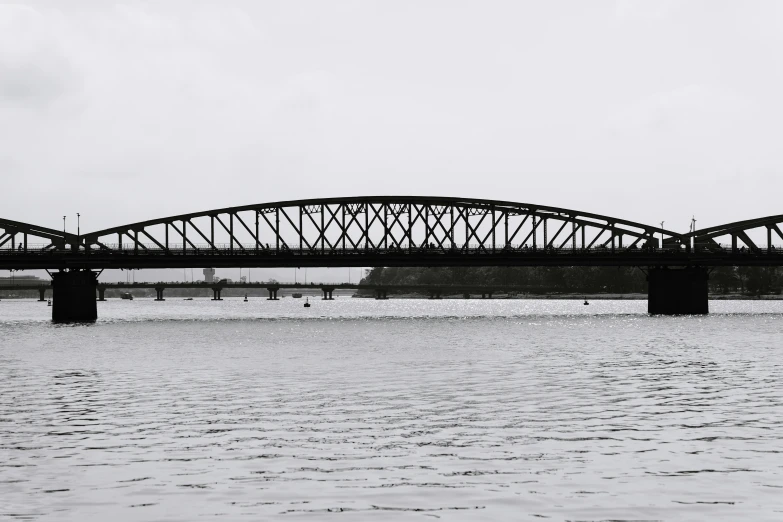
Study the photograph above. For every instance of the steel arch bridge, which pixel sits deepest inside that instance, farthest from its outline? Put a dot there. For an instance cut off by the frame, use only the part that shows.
(386, 231)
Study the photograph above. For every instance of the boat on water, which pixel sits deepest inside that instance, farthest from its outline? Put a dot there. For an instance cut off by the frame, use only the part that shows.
(126, 295)
(296, 295)
(188, 299)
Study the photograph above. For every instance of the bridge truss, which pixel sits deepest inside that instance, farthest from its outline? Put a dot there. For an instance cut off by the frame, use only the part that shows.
(378, 231)
(738, 237)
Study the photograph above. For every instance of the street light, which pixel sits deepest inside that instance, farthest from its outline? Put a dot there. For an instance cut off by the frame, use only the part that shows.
(63, 224)
(77, 224)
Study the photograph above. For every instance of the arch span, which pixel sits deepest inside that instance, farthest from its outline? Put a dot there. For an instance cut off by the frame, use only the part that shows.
(739, 234)
(24, 236)
(381, 222)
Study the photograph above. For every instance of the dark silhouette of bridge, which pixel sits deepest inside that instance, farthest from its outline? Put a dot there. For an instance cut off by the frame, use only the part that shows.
(393, 231)
(380, 291)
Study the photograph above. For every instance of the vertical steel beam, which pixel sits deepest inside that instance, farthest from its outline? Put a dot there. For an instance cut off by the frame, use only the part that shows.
(345, 232)
(231, 231)
(277, 228)
(466, 215)
(366, 224)
(494, 227)
(769, 240)
(135, 241)
(411, 244)
(167, 236)
(573, 235)
(184, 235)
(385, 226)
(323, 232)
(212, 231)
(505, 227)
(545, 235)
(451, 231)
(258, 238)
(534, 232)
(301, 232)
(426, 224)
(583, 236)
(612, 232)
(119, 240)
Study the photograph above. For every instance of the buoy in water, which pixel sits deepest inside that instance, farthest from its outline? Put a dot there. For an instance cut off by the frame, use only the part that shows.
(50, 302)
(307, 302)
(246, 298)
(586, 303)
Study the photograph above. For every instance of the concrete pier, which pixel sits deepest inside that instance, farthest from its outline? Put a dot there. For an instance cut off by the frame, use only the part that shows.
(272, 293)
(328, 294)
(216, 293)
(74, 296)
(674, 291)
(159, 293)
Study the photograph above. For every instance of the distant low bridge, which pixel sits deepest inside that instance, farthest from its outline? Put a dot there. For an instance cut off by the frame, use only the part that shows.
(380, 291)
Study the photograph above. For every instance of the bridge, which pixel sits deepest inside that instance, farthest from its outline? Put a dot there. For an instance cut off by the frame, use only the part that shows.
(392, 231)
(327, 289)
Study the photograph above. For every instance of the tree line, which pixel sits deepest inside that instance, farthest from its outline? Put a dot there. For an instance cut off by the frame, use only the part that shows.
(579, 279)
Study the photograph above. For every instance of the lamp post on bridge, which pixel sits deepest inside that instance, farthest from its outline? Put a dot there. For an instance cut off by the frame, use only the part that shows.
(78, 229)
(662, 222)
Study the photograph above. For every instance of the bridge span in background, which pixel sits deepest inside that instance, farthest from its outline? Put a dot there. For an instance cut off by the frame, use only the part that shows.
(398, 231)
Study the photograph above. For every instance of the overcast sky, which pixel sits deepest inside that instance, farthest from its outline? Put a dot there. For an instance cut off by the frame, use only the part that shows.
(646, 110)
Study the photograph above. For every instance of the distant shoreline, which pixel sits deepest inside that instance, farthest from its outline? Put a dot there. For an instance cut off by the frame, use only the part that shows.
(589, 297)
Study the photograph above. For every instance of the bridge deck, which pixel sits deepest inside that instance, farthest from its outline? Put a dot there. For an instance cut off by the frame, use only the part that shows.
(262, 258)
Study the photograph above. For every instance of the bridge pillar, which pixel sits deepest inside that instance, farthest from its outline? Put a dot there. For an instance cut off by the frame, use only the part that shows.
(42, 294)
(466, 296)
(380, 293)
(328, 294)
(272, 294)
(159, 292)
(216, 293)
(101, 293)
(675, 292)
(74, 296)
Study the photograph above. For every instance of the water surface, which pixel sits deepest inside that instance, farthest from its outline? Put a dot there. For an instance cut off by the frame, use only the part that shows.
(391, 410)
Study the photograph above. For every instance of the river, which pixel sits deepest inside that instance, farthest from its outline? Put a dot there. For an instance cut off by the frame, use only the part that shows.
(357, 409)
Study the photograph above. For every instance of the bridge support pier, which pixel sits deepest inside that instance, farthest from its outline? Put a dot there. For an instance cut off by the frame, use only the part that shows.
(327, 294)
(215, 294)
(466, 296)
(677, 291)
(74, 296)
(101, 293)
(380, 293)
(159, 292)
(272, 294)
(41, 294)
(435, 294)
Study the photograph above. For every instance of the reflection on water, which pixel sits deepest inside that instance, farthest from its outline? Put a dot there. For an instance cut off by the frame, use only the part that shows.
(474, 410)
